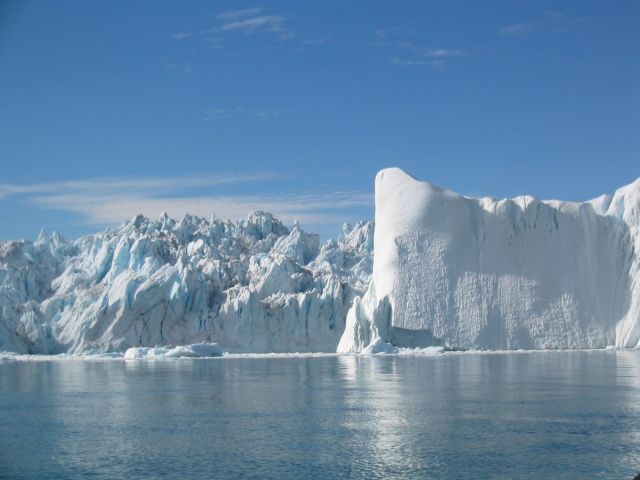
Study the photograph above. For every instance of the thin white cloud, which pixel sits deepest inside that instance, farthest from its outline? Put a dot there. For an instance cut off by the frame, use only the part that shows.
(404, 52)
(267, 22)
(552, 19)
(517, 28)
(109, 201)
(261, 112)
(182, 35)
(413, 55)
(213, 114)
(439, 52)
(111, 210)
(250, 21)
(110, 184)
(231, 14)
(405, 62)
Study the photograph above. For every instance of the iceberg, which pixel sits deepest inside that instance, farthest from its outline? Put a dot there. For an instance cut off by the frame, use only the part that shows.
(479, 273)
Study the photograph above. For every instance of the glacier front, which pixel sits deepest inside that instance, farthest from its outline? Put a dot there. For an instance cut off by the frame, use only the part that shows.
(253, 285)
(467, 273)
(439, 270)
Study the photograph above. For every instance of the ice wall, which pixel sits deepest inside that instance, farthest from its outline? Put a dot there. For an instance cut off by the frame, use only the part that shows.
(249, 286)
(471, 273)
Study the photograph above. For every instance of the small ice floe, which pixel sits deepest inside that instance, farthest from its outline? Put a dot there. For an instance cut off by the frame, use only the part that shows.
(379, 346)
(197, 350)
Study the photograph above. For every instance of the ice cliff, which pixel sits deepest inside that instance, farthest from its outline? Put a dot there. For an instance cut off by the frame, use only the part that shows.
(470, 273)
(449, 272)
(250, 286)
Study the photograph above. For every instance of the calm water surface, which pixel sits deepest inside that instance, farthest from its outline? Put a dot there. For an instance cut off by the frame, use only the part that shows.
(519, 415)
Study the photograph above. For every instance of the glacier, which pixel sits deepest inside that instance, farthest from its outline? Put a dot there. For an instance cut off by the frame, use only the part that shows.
(253, 285)
(478, 273)
(438, 272)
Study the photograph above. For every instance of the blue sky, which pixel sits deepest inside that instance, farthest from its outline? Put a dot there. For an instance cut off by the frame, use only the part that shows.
(112, 107)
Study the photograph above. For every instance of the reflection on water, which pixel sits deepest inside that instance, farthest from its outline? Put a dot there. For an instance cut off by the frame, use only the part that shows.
(519, 415)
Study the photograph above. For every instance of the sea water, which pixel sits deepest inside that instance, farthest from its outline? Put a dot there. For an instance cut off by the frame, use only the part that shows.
(494, 415)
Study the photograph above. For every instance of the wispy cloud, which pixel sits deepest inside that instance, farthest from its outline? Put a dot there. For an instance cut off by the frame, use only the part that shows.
(404, 62)
(269, 23)
(551, 20)
(213, 114)
(109, 201)
(182, 35)
(255, 22)
(246, 21)
(110, 184)
(405, 52)
(410, 55)
(232, 14)
(517, 28)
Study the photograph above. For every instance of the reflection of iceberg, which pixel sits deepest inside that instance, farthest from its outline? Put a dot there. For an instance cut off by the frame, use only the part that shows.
(628, 374)
(485, 274)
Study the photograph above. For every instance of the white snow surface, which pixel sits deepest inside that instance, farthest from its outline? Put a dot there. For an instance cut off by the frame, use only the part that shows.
(249, 286)
(480, 273)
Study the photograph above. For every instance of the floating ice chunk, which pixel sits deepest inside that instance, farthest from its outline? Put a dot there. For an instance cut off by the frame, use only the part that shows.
(379, 346)
(197, 350)
(427, 351)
